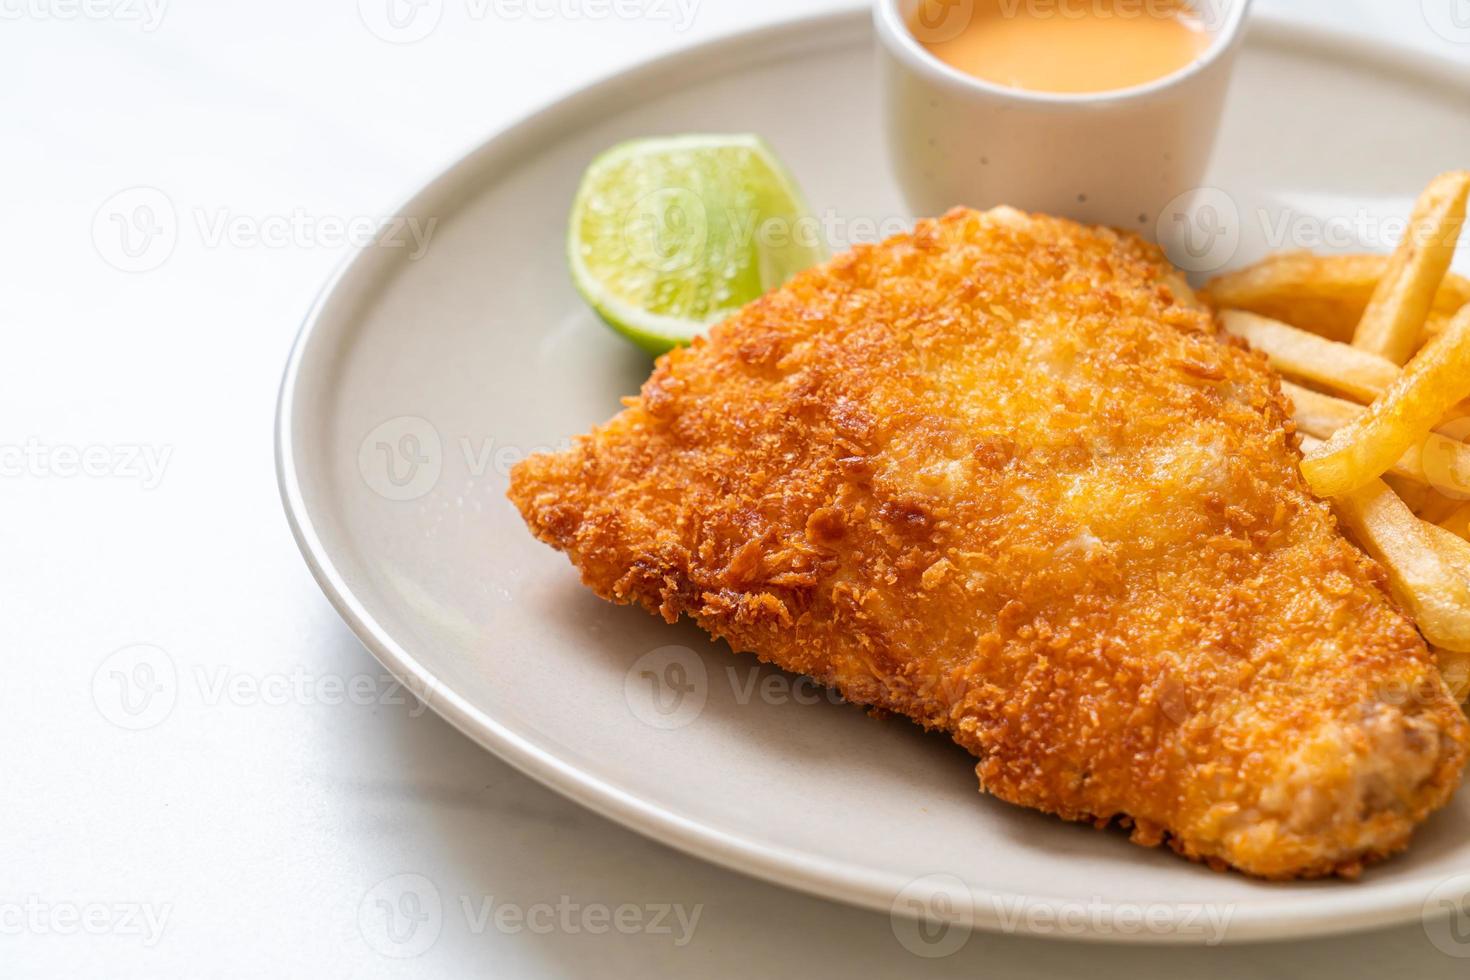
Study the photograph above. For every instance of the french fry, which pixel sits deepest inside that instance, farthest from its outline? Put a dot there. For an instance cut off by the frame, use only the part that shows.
(1439, 320)
(1416, 495)
(1455, 414)
(1454, 549)
(1300, 354)
(1323, 294)
(1458, 521)
(1433, 382)
(1454, 552)
(1439, 461)
(1396, 315)
(1409, 480)
(1424, 582)
(1296, 308)
(1318, 414)
(1435, 507)
(1454, 665)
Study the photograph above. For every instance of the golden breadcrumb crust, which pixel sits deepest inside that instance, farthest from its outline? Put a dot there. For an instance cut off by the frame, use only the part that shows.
(1003, 476)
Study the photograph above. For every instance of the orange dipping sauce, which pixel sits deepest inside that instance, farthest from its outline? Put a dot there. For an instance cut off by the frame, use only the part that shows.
(1062, 45)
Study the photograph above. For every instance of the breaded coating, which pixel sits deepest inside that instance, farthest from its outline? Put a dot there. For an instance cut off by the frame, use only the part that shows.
(1004, 477)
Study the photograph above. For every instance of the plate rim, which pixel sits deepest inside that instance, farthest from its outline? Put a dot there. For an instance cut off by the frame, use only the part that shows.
(1289, 916)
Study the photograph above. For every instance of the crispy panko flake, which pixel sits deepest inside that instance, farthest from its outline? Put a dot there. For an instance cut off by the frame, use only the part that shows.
(1002, 476)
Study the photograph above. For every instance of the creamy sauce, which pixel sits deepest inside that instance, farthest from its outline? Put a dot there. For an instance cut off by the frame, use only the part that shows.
(1062, 45)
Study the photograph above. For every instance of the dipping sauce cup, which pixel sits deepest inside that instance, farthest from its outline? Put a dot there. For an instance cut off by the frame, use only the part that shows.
(1123, 157)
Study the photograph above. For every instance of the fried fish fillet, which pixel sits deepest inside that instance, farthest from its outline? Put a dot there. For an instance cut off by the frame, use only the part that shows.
(1002, 476)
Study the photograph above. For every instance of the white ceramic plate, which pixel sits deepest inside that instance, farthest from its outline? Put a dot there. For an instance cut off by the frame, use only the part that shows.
(450, 365)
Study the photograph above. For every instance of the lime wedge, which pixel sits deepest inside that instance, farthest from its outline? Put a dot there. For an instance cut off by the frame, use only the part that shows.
(672, 234)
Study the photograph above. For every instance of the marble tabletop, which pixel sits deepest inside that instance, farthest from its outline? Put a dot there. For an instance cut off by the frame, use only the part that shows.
(258, 818)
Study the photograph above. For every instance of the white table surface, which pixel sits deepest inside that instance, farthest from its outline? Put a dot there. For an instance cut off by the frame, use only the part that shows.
(256, 815)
